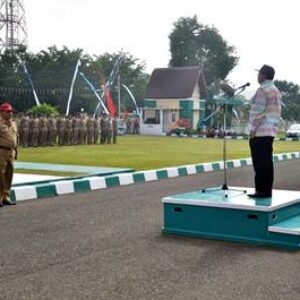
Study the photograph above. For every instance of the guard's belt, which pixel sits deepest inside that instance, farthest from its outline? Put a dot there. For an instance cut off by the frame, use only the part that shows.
(7, 148)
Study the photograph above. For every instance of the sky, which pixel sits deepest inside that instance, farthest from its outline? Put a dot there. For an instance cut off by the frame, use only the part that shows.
(263, 32)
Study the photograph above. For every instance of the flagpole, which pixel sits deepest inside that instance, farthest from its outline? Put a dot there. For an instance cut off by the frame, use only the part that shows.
(72, 86)
(119, 91)
(94, 91)
(131, 96)
(29, 80)
(111, 77)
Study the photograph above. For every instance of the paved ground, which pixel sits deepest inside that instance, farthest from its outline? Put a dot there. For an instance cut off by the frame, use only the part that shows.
(108, 245)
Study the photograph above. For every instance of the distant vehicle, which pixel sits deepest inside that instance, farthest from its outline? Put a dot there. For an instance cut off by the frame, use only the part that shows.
(293, 131)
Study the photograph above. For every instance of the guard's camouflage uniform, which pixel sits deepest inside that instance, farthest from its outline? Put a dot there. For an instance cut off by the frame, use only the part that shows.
(108, 129)
(43, 131)
(82, 131)
(90, 130)
(24, 131)
(103, 131)
(75, 126)
(96, 130)
(68, 135)
(61, 130)
(35, 131)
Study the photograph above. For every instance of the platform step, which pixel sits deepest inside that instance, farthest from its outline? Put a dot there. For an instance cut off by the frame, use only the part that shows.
(290, 226)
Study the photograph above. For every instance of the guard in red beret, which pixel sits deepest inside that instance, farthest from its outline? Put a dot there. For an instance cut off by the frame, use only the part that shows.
(8, 152)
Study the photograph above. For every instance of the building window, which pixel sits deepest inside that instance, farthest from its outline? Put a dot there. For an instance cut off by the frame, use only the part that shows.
(151, 116)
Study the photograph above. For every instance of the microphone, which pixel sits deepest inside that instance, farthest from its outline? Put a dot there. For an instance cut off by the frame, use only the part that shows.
(244, 86)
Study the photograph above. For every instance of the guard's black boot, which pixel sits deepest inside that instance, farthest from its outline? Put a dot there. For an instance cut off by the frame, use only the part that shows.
(8, 202)
(260, 195)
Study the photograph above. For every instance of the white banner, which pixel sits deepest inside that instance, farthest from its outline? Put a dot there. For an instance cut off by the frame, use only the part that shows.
(72, 86)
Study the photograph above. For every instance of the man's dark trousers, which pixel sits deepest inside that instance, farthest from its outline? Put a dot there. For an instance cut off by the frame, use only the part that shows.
(262, 158)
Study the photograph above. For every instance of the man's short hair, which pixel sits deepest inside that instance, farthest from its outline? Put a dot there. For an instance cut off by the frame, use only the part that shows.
(268, 71)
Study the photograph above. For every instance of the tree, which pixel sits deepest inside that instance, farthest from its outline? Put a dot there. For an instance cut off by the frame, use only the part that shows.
(45, 109)
(52, 71)
(195, 44)
(291, 99)
(132, 73)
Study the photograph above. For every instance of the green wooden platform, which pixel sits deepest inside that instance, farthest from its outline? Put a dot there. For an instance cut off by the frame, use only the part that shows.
(272, 221)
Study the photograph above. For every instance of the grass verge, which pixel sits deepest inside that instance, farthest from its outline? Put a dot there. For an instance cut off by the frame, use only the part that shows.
(144, 153)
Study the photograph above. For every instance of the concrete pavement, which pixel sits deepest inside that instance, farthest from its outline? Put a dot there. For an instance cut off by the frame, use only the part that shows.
(108, 245)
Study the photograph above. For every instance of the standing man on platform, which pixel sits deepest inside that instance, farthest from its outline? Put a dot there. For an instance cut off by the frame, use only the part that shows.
(264, 119)
(8, 152)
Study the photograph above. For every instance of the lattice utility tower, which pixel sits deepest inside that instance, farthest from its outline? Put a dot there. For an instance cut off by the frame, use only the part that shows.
(13, 31)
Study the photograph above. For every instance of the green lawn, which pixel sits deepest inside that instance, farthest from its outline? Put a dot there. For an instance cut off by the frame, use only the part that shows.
(142, 153)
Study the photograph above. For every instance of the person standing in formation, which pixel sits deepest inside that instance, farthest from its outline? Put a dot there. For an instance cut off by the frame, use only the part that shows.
(49, 131)
(68, 135)
(8, 152)
(114, 130)
(82, 130)
(24, 131)
(102, 130)
(75, 126)
(90, 130)
(35, 131)
(54, 131)
(108, 125)
(128, 124)
(96, 129)
(61, 129)
(136, 126)
(43, 131)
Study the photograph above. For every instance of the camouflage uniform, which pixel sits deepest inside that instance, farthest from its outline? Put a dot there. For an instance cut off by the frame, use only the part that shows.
(69, 132)
(108, 125)
(82, 131)
(75, 126)
(96, 130)
(114, 130)
(30, 131)
(90, 130)
(35, 131)
(52, 131)
(103, 132)
(43, 131)
(61, 130)
(24, 131)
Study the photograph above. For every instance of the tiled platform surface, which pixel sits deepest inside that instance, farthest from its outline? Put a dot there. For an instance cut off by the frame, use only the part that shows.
(271, 221)
(290, 226)
(236, 199)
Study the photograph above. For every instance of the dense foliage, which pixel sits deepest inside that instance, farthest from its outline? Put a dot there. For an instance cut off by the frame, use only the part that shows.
(52, 71)
(291, 100)
(44, 109)
(195, 44)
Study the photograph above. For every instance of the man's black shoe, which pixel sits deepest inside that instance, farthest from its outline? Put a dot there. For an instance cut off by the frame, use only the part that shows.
(7, 202)
(1, 204)
(260, 195)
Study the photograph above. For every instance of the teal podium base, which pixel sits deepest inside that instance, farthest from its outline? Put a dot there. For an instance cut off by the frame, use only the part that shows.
(235, 217)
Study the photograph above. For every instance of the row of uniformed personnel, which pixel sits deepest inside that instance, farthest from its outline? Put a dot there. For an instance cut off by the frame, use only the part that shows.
(35, 131)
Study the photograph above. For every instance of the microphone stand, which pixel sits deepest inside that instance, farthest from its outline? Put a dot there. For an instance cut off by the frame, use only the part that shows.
(225, 187)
